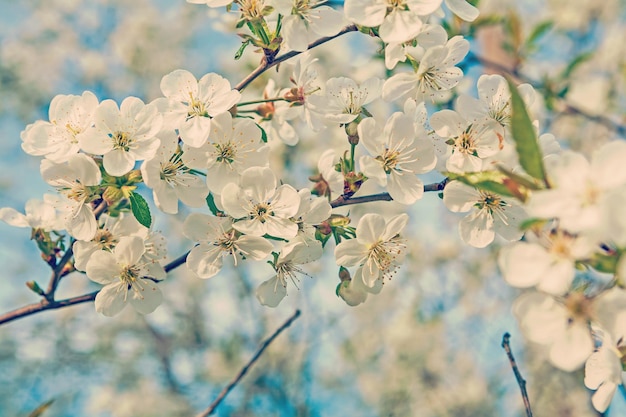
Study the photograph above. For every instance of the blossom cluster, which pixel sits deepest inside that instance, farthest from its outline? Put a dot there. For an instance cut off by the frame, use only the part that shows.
(199, 145)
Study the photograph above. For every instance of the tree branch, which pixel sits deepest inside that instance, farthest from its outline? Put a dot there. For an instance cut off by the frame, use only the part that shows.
(51, 304)
(518, 376)
(211, 409)
(267, 65)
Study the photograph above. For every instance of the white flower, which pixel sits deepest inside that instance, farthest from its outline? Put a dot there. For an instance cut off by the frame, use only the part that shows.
(377, 247)
(306, 21)
(74, 180)
(271, 292)
(170, 179)
(491, 214)
(190, 104)
(471, 141)
(57, 140)
(549, 263)
(123, 135)
(261, 207)
(122, 272)
(233, 147)
(563, 327)
(38, 215)
(312, 211)
(218, 239)
(343, 99)
(580, 189)
(106, 237)
(399, 21)
(332, 180)
(397, 156)
(354, 291)
(273, 120)
(429, 36)
(304, 78)
(603, 373)
(435, 75)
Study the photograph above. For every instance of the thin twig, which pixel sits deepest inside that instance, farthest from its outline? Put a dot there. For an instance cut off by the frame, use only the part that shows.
(265, 65)
(343, 201)
(518, 376)
(245, 369)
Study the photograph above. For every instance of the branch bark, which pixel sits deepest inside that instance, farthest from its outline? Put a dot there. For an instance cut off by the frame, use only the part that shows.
(211, 409)
(267, 65)
(518, 376)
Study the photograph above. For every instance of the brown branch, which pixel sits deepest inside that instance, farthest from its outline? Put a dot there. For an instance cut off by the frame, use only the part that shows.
(45, 304)
(211, 409)
(518, 376)
(51, 304)
(267, 65)
(343, 201)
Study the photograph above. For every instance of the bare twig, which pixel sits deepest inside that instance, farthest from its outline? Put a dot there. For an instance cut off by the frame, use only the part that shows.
(265, 65)
(342, 201)
(518, 376)
(245, 369)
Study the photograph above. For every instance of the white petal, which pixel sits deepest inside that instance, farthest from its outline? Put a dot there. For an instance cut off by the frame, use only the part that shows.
(110, 300)
(271, 292)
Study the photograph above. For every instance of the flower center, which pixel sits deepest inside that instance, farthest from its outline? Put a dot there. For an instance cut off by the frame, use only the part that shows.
(196, 108)
(389, 159)
(384, 253)
(170, 171)
(105, 239)
(122, 140)
(226, 152)
(465, 143)
(129, 275)
(262, 211)
(77, 192)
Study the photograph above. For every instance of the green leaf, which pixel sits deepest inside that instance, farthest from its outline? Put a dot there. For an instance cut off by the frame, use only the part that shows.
(140, 209)
(41, 409)
(575, 63)
(263, 134)
(531, 223)
(242, 48)
(492, 181)
(538, 32)
(526, 144)
(604, 263)
(210, 201)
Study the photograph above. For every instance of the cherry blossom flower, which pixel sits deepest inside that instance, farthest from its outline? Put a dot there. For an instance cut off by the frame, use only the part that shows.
(170, 179)
(470, 141)
(74, 180)
(343, 99)
(396, 156)
(39, 214)
(190, 104)
(490, 214)
(218, 239)
(306, 21)
(604, 373)
(312, 211)
(562, 326)
(123, 135)
(58, 139)
(435, 75)
(548, 262)
(354, 291)
(273, 117)
(579, 197)
(260, 207)
(287, 266)
(429, 36)
(377, 247)
(399, 21)
(304, 79)
(122, 272)
(233, 147)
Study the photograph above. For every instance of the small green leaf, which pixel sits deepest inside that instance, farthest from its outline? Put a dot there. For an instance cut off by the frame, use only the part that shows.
(210, 201)
(585, 56)
(526, 144)
(242, 48)
(263, 134)
(140, 209)
(604, 263)
(538, 32)
(492, 181)
(41, 409)
(531, 223)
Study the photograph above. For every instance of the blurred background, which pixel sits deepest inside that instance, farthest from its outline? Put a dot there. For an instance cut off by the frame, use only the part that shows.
(428, 345)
